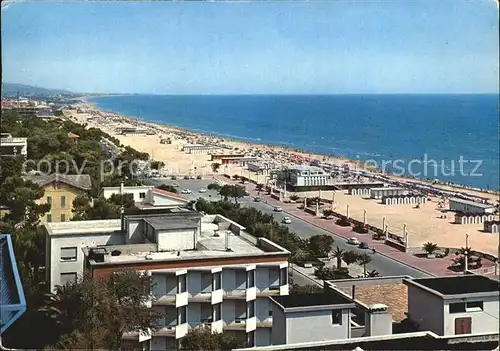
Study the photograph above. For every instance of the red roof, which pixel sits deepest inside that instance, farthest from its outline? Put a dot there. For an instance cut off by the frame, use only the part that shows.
(73, 135)
(167, 193)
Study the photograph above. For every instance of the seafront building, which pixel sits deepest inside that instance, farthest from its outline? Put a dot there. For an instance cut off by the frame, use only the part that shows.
(147, 196)
(206, 270)
(303, 177)
(60, 191)
(10, 146)
(467, 206)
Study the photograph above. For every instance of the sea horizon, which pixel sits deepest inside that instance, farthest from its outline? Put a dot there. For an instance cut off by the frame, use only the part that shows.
(414, 123)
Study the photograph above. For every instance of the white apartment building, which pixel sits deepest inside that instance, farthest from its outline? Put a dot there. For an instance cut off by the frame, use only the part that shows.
(10, 146)
(303, 175)
(206, 270)
(467, 206)
(454, 305)
(147, 196)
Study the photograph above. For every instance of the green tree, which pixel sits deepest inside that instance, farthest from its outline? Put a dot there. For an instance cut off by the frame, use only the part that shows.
(430, 248)
(214, 186)
(320, 245)
(167, 187)
(350, 257)
(215, 167)
(338, 254)
(326, 273)
(226, 191)
(259, 187)
(327, 213)
(201, 339)
(363, 260)
(305, 289)
(372, 274)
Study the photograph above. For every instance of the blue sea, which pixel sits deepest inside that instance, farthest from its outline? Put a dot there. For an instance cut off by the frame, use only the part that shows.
(406, 132)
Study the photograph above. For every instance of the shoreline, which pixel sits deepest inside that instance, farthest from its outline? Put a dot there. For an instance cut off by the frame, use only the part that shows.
(301, 153)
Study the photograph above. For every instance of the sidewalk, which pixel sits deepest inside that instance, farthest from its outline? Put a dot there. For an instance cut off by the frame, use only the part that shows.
(436, 266)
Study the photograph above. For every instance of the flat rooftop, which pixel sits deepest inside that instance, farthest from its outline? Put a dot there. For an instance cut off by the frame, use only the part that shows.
(305, 168)
(456, 285)
(471, 203)
(168, 223)
(84, 227)
(312, 300)
(389, 188)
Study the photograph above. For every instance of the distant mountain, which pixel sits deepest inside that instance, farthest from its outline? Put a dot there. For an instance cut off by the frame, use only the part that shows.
(12, 89)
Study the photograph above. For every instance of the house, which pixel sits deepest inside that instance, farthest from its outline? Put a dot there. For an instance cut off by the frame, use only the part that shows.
(10, 146)
(12, 300)
(60, 191)
(147, 196)
(454, 305)
(206, 270)
(326, 315)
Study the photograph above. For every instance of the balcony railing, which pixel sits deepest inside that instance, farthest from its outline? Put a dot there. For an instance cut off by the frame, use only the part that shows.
(166, 330)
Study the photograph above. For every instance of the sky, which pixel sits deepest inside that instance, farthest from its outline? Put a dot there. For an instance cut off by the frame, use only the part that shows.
(253, 47)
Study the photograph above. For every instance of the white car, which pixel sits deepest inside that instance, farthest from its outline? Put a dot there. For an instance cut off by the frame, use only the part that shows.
(278, 209)
(286, 220)
(175, 185)
(185, 191)
(353, 241)
(203, 190)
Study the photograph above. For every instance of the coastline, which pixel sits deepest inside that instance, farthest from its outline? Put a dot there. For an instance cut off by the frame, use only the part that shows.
(300, 153)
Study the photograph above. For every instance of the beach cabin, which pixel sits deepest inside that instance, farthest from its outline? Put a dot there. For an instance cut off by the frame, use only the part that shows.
(414, 199)
(492, 226)
(472, 218)
(461, 205)
(379, 193)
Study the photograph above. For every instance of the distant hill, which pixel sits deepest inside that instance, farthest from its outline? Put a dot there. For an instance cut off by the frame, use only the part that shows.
(11, 89)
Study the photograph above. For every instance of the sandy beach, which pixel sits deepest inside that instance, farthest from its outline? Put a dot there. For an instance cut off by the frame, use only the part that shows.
(164, 143)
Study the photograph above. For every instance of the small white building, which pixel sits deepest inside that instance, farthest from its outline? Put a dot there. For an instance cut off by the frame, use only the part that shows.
(139, 192)
(378, 193)
(303, 176)
(467, 206)
(261, 167)
(301, 318)
(10, 146)
(466, 304)
(146, 196)
(200, 149)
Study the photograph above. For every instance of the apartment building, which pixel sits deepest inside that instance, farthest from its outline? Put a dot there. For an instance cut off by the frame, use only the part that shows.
(10, 146)
(60, 191)
(297, 176)
(147, 196)
(205, 269)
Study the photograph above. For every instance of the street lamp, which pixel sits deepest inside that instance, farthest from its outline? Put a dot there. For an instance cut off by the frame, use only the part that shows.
(466, 265)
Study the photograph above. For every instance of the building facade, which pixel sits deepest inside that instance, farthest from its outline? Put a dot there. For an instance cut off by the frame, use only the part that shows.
(60, 191)
(305, 176)
(467, 206)
(10, 146)
(378, 193)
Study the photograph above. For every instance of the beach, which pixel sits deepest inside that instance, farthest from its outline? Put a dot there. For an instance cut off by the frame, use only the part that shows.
(165, 143)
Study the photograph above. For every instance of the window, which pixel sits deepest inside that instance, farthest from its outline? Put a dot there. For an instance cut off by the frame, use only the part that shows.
(68, 278)
(217, 312)
(474, 306)
(458, 307)
(182, 315)
(63, 201)
(251, 309)
(251, 339)
(181, 283)
(49, 218)
(142, 195)
(337, 317)
(250, 278)
(68, 254)
(270, 313)
(63, 217)
(217, 281)
(49, 200)
(283, 276)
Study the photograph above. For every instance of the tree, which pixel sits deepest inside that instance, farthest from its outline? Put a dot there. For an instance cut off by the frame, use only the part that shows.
(300, 256)
(350, 257)
(214, 186)
(215, 167)
(326, 273)
(259, 187)
(372, 274)
(305, 289)
(430, 248)
(363, 260)
(226, 191)
(201, 339)
(327, 213)
(294, 197)
(320, 245)
(338, 254)
(167, 187)
(237, 192)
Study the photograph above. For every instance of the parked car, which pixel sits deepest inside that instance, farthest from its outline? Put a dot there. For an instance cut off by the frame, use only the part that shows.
(199, 177)
(173, 177)
(175, 185)
(186, 177)
(257, 199)
(203, 190)
(353, 241)
(192, 177)
(286, 220)
(363, 245)
(278, 209)
(185, 191)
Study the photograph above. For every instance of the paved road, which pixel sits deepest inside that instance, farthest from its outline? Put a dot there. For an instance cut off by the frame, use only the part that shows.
(382, 264)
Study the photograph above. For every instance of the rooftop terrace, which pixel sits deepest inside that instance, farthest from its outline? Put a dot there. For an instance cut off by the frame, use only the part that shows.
(457, 285)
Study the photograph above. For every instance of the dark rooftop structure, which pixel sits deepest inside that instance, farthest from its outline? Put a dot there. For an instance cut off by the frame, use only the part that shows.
(12, 301)
(457, 285)
(166, 223)
(313, 300)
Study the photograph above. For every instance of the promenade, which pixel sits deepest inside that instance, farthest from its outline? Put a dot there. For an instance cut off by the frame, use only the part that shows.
(436, 266)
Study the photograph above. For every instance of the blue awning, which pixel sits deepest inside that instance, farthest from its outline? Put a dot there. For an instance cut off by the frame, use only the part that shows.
(12, 300)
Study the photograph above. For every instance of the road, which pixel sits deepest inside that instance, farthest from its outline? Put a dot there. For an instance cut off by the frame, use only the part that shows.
(382, 264)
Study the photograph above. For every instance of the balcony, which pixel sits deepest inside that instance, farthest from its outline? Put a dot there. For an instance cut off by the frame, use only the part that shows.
(272, 291)
(238, 294)
(265, 323)
(244, 324)
(176, 300)
(166, 330)
(137, 335)
(215, 327)
(201, 297)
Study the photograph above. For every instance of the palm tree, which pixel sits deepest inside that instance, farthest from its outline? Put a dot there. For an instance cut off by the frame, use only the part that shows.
(338, 254)
(430, 248)
(372, 274)
(300, 255)
(363, 260)
(215, 167)
(350, 257)
(259, 187)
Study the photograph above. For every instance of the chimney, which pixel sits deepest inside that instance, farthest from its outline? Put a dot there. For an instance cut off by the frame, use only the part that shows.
(378, 320)
(122, 188)
(227, 240)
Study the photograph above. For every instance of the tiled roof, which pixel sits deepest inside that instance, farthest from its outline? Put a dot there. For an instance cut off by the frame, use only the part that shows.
(394, 296)
(12, 301)
(73, 135)
(81, 181)
(168, 193)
